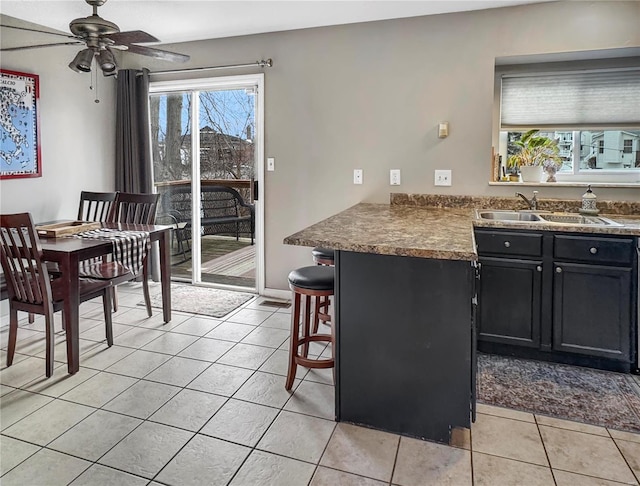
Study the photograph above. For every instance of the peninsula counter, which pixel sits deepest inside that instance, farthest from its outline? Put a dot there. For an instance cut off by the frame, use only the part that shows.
(404, 314)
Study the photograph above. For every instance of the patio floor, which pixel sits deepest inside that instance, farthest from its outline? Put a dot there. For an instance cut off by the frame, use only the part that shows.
(224, 261)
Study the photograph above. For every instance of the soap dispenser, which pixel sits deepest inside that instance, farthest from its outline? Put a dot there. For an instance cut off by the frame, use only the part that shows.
(589, 202)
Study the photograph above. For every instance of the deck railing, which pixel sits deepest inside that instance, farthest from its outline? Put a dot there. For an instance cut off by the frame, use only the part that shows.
(243, 186)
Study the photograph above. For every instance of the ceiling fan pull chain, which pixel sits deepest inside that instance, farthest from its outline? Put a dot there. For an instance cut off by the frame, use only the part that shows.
(96, 73)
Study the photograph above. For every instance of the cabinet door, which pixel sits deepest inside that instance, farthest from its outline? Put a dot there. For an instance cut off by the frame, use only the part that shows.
(592, 310)
(509, 309)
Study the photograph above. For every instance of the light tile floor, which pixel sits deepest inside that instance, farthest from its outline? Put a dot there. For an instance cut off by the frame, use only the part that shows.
(202, 401)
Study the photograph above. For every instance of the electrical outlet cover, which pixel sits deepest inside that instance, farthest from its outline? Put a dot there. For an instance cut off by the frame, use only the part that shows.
(442, 178)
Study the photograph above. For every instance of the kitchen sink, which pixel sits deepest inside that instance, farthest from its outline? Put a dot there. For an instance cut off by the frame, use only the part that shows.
(508, 216)
(544, 217)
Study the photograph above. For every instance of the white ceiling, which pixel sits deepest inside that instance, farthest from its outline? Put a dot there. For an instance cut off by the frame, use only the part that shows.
(187, 20)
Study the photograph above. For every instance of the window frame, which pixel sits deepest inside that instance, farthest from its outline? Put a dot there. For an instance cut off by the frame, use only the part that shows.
(578, 176)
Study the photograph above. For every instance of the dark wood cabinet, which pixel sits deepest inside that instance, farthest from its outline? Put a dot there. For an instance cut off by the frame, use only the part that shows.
(510, 293)
(558, 296)
(592, 310)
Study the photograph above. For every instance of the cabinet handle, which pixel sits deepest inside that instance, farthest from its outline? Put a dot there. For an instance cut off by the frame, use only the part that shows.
(558, 270)
(539, 268)
(507, 244)
(593, 250)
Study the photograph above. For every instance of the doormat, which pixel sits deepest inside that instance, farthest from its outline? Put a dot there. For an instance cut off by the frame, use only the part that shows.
(575, 393)
(202, 300)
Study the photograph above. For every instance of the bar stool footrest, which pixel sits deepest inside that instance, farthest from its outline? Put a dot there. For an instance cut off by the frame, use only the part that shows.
(315, 363)
(314, 338)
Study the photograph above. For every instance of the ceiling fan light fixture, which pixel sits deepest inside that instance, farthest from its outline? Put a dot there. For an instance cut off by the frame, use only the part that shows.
(107, 61)
(73, 67)
(82, 61)
(100, 37)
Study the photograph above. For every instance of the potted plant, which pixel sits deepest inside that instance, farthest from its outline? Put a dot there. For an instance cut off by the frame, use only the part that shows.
(535, 153)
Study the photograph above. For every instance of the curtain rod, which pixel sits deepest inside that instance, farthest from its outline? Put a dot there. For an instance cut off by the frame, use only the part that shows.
(262, 63)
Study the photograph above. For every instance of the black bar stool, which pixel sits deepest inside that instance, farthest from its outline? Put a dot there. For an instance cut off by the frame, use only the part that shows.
(316, 282)
(322, 256)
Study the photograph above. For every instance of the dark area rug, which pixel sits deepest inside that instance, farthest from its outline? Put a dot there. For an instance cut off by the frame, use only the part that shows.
(569, 392)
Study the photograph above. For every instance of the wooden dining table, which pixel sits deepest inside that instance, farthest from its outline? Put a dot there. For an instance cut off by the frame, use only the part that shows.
(68, 252)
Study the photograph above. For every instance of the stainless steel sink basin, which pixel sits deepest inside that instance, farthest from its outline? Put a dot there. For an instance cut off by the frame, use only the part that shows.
(569, 218)
(543, 217)
(508, 216)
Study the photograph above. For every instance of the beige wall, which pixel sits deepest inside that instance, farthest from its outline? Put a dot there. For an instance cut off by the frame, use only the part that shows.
(371, 95)
(77, 134)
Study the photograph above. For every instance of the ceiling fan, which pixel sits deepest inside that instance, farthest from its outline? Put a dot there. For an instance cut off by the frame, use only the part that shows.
(100, 37)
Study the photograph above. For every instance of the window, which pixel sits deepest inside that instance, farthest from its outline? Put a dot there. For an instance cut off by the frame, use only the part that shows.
(593, 152)
(627, 146)
(592, 114)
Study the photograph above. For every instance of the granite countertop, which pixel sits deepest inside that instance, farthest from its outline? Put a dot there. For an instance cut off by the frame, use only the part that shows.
(411, 226)
(384, 229)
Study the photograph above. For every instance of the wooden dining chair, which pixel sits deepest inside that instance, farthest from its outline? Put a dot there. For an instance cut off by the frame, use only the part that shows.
(134, 208)
(30, 287)
(128, 208)
(95, 206)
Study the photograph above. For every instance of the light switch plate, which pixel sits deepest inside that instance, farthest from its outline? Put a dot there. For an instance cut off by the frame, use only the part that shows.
(357, 176)
(442, 178)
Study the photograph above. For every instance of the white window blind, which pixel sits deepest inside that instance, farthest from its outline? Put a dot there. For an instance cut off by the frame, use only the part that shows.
(585, 99)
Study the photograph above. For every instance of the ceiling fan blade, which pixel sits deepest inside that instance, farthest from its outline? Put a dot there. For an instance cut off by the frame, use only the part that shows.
(157, 53)
(38, 46)
(39, 31)
(132, 37)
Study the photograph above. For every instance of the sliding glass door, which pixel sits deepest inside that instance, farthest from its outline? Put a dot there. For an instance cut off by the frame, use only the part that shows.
(207, 152)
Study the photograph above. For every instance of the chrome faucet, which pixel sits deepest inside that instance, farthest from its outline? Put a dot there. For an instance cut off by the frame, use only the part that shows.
(533, 202)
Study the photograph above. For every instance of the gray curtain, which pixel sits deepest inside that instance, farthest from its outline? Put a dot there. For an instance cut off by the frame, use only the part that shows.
(133, 154)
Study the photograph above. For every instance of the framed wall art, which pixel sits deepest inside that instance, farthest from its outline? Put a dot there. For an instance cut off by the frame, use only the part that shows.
(19, 130)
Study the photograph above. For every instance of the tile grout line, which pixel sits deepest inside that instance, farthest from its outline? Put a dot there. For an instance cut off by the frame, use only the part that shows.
(546, 453)
(471, 453)
(624, 458)
(324, 449)
(395, 460)
(556, 426)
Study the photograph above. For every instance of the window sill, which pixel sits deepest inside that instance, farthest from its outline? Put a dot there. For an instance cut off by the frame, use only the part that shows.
(569, 184)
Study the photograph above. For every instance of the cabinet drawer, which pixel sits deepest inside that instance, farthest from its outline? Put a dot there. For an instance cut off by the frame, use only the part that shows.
(593, 249)
(508, 243)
